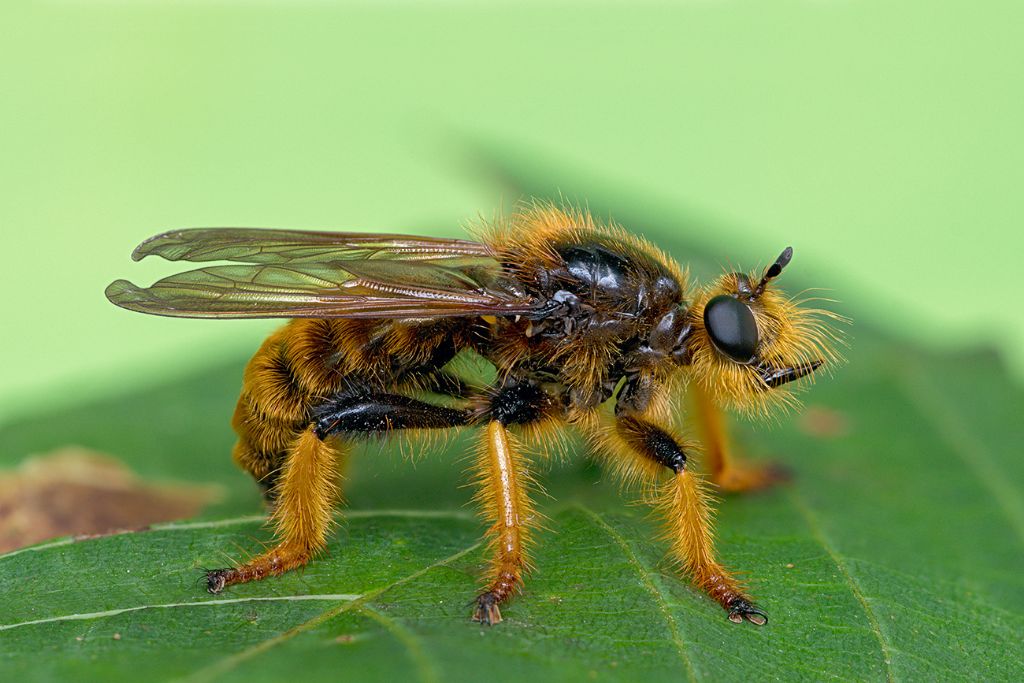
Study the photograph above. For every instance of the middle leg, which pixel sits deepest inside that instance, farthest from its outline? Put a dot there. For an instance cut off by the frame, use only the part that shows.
(504, 503)
(503, 479)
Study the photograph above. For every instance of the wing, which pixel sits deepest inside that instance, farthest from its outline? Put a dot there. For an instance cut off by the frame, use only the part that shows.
(258, 245)
(323, 275)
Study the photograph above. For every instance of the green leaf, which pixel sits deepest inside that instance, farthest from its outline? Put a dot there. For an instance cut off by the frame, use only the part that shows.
(897, 554)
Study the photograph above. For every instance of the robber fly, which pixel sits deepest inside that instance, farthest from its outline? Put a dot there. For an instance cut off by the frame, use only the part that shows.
(585, 324)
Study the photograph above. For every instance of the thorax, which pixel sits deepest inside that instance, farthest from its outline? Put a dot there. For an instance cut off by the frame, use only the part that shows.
(600, 302)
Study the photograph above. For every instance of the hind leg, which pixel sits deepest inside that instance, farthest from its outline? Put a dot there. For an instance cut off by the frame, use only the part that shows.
(306, 492)
(727, 471)
(305, 486)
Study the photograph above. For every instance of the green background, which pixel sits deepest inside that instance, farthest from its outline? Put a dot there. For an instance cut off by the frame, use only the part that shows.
(882, 140)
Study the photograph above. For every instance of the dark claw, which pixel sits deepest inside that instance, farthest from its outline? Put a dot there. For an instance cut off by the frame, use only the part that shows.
(487, 611)
(740, 609)
(216, 579)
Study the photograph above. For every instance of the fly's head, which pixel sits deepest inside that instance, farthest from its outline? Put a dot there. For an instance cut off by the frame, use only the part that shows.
(749, 341)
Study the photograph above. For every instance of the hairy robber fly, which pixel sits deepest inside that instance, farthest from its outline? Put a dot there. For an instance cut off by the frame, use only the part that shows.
(585, 324)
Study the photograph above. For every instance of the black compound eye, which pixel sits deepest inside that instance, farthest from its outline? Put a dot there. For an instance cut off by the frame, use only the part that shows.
(732, 328)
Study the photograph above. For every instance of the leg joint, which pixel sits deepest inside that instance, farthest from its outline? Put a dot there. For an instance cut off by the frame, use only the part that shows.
(521, 403)
(654, 442)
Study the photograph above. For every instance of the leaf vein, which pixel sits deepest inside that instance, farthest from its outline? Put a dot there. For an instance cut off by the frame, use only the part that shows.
(819, 535)
(217, 669)
(425, 668)
(171, 605)
(644, 573)
(951, 428)
(245, 519)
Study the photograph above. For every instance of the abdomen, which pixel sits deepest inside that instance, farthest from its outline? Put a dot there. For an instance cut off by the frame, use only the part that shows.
(310, 360)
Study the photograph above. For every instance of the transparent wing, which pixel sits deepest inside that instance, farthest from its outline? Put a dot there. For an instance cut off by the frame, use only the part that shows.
(349, 288)
(258, 245)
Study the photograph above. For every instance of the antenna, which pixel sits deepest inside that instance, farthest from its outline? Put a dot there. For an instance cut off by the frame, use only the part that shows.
(773, 271)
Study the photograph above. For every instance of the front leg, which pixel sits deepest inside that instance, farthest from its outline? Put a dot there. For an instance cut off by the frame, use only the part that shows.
(728, 472)
(684, 504)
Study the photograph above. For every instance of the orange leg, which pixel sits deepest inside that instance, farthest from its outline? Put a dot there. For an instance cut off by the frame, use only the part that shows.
(727, 472)
(306, 493)
(684, 505)
(504, 503)
(643, 451)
